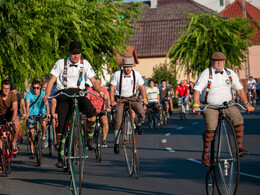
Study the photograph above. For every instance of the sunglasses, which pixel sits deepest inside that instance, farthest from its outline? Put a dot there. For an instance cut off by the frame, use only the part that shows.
(36, 87)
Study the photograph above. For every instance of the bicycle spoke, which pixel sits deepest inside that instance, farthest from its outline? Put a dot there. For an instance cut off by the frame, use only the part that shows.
(227, 160)
(128, 144)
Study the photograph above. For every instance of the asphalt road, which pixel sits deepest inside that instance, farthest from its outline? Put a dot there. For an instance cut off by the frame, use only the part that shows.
(169, 164)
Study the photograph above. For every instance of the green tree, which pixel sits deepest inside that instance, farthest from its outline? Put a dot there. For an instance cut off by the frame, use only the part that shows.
(164, 71)
(35, 34)
(206, 33)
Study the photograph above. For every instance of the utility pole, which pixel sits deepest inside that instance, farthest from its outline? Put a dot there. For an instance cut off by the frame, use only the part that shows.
(247, 68)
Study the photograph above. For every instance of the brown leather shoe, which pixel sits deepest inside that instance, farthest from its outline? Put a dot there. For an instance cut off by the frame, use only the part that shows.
(243, 152)
(205, 159)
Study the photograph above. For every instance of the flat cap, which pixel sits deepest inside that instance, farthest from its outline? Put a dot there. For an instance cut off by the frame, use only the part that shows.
(218, 56)
(128, 62)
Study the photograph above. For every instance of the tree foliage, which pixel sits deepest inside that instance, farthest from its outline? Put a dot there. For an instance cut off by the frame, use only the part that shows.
(35, 34)
(207, 33)
(164, 71)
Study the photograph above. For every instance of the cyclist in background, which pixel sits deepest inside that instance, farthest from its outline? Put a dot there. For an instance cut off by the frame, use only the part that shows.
(123, 86)
(165, 96)
(251, 85)
(182, 92)
(35, 105)
(21, 109)
(100, 106)
(8, 111)
(153, 96)
(171, 95)
(191, 91)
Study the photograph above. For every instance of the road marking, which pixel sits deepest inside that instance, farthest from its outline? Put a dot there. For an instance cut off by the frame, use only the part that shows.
(195, 161)
(241, 173)
(170, 150)
(179, 128)
(164, 141)
(249, 175)
(195, 123)
(167, 134)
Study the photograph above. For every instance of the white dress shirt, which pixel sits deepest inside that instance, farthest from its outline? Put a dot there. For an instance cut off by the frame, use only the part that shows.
(127, 83)
(220, 89)
(72, 73)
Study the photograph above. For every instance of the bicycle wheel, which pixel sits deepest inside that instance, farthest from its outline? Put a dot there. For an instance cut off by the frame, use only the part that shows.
(165, 119)
(128, 143)
(210, 183)
(150, 120)
(226, 158)
(136, 165)
(76, 154)
(38, 149)
(6, 157)
(50, 140)
(99, 144)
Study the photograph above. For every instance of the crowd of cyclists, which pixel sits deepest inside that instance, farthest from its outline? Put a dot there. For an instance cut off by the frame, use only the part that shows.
(125, 83)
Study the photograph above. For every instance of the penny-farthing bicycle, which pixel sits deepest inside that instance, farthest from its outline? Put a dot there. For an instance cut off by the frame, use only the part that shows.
(224, 155)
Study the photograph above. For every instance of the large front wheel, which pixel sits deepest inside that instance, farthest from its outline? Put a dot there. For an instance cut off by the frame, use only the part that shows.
(38, 149)
(76, 154)
(129, 143)
(227, 165)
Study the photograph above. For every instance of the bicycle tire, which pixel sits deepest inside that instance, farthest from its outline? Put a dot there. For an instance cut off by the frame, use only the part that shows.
(99, 144)
(227, 165)
(150, 120)
(210, 183)
(76, 153)
(38, 149)
(6, 155)
(136, 165)
(128, 143)
(51, 144)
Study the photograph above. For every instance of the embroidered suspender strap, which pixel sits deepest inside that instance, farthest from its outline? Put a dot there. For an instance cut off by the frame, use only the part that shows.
(209, 83)
(230, 79)
(65, 75)
(134, 81)
(80, 73)
(120, 83)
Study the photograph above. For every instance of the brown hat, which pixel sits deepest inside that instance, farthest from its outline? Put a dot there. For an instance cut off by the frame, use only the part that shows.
(218, 56)
(128, 62)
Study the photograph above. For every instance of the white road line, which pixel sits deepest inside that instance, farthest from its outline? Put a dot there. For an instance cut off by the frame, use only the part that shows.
(241, 173)
(179, 128)
(170, 150)
(164, 141)
(249, 175)
(195, 123)
(167, 134)
(195, 161)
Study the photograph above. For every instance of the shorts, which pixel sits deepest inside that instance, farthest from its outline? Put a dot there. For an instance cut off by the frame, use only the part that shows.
(211, 117)
(183, 99)
(31, 122)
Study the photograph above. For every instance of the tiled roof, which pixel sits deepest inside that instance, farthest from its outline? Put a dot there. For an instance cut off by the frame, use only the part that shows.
(130, 52)
(235, 10)
(159, 27)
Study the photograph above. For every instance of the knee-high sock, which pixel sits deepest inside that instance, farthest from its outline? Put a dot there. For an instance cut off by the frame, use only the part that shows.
(208, 136)
(90, 129)
(239, 131)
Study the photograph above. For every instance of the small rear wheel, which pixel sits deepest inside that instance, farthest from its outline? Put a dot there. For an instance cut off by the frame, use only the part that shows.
(136, 165)
(6, 158)
(210, 183)
(150, 120)
(99, 144)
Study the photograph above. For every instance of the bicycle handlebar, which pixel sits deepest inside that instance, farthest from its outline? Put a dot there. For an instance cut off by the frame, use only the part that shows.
(81, 94)
(224, 105)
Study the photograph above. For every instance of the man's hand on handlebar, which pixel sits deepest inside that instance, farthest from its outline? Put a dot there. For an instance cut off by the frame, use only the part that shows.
(114, 103)
(195, 109)
(249, 108)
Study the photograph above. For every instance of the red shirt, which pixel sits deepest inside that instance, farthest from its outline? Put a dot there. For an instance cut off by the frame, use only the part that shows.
(97, 102)
(183, 90)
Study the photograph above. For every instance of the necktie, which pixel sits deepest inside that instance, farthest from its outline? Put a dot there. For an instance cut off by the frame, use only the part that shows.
(75, 65)
(216, 72)
(127, 76)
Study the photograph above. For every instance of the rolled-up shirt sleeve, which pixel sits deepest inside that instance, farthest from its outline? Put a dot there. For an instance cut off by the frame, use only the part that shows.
(236, 81)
